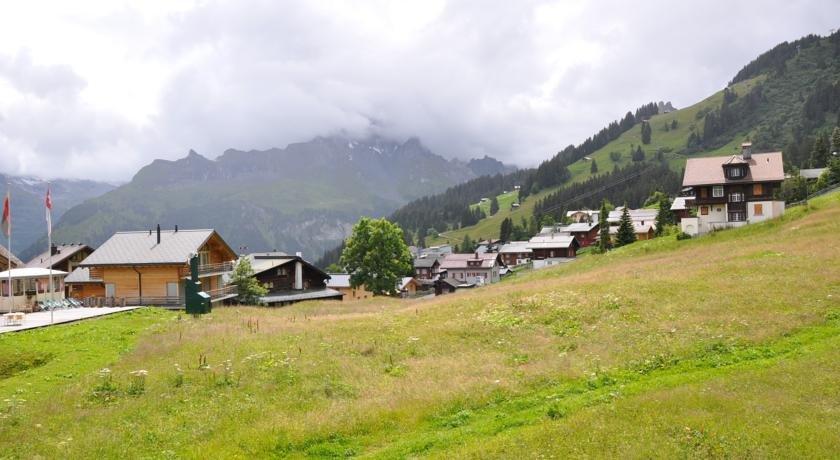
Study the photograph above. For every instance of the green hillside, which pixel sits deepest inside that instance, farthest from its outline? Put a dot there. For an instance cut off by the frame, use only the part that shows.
(725, 345)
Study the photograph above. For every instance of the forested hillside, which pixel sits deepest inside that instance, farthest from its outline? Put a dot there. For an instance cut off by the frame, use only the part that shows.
(786, 99)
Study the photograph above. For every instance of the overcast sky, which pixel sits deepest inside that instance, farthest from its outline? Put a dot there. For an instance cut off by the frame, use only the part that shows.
(97, 89)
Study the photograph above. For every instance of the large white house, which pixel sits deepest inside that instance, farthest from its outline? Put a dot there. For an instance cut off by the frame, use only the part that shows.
(731, 191)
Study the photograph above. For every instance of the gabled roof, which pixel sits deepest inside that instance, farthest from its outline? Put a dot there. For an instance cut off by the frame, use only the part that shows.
(141, 248)
(554, 240)
(514, 247)
(455, 261)
(762, 167)
(264, 264)
(64, 251)
(425, 262)
(636, 215)
(578, 227)
(637, 228)
(813, 173)
(679, 203)
(9, 256)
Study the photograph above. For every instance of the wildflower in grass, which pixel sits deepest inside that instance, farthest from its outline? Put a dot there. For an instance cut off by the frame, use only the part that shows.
(138, 382)
(178, 381)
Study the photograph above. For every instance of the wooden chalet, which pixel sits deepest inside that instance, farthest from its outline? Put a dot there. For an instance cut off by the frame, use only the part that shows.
(341, 283)
(65, 257)
(553, 245)
(150, 267)
(476, 268)
(515, 253)
(426, 267)
(586, 233)
(732, 191)
(290, 279)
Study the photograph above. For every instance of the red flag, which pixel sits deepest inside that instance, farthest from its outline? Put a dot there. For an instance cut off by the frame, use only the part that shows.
(48, 203)
(7, 217)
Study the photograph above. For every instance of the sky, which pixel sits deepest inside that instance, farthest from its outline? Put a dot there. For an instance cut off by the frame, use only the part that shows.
(97, 89)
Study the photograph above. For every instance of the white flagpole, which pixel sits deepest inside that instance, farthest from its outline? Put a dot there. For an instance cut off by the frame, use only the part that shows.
(48, 205)
(9, 196)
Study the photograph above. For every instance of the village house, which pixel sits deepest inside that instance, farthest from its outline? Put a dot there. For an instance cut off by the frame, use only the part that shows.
(643, 220)
(732, 191)
(552, 248)
(65, 257)
(290, 279)
(586, 233)
(643, 231)
(150, 267)
(680, 208)
(408, 286)
(426, 267)
(450, 285)
(582, 215)
(473, 268)
(515, 253)
(5, 256)
(30, 286)
(341, 283)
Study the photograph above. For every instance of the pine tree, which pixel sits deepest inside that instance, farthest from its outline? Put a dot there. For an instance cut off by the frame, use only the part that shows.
(506, 229)
(819, 153)
(646, 132)
(639, 154)
(674, 124)
(604, 230)
(494, 206)
(664, 216)
(626, 234)
(835, 139)
(467, 245)
(594, 168)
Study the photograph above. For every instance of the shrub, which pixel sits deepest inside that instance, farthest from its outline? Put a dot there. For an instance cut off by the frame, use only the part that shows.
(683, 236)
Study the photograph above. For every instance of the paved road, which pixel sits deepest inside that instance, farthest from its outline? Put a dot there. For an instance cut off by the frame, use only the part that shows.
(42, 318)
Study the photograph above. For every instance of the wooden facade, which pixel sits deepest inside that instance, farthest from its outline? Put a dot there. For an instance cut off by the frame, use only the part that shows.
(282, 277)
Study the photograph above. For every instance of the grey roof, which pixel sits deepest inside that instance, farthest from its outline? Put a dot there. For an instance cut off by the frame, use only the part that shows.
(679, 203)
(81, 275)
(578, 227)
(425, 262)
(554, 240)
(338, 280)
(813, 173)
(514, 247)
(636, 215)
(64, 251)
(9, 256)
(141, 248)
(298, 296)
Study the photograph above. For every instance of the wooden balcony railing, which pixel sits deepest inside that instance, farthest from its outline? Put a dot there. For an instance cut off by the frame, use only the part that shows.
(221, 267)
(224, 291)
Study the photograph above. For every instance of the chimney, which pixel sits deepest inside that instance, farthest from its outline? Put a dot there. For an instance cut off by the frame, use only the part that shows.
(746, 150)
(298, 275)
(54, 249)
(299, 254)
(158, 233)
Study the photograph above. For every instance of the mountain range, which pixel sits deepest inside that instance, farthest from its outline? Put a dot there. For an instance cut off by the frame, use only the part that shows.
(304, 197)
(27, 206)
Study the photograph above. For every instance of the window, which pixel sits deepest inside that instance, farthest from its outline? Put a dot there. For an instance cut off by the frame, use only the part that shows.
(735, 173)
(717, 191)
(758, 209)
(737, 216)
(704, 210)
(172, 289)
(704, 192)
(110, 290)
(283, 271)
(758, 189)
(736, 197)
(203, 257)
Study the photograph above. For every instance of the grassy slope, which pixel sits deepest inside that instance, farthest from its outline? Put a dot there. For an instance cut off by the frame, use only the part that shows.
(673, 139)
(636, 352)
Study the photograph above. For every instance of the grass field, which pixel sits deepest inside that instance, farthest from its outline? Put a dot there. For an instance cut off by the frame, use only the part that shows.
(722, 346)
(673, 140)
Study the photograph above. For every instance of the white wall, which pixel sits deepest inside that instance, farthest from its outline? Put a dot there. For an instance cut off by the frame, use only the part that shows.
(717, 214)
(771, 209)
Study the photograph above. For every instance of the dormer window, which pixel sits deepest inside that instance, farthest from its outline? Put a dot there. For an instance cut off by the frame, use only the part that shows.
(735, 172)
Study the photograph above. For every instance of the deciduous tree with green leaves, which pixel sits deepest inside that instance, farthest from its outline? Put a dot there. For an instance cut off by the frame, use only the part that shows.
(248, 287)
(625, 234)
(376, 256)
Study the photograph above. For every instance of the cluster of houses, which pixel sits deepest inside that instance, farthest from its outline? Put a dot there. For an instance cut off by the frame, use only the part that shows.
(151, 267)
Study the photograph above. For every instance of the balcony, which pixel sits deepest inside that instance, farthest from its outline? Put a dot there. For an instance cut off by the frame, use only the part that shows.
(222, 293)
(205, 270)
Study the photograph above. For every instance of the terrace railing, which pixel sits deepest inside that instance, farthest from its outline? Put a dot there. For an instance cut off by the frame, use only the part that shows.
(221, 267)
(225, 291)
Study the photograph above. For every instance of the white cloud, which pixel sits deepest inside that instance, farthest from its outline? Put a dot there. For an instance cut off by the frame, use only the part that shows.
(97, 89)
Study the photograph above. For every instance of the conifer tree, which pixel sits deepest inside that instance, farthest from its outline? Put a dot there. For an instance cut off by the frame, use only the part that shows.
(646, 132)
(467, 245)
(625, 234)
(819, 154)
(664, 216)
(594, 168)
(835, 139)
(604, 231)
(494, 206)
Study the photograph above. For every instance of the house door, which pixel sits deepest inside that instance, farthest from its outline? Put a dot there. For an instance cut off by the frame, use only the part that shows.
(171, 289)
(110, 290)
